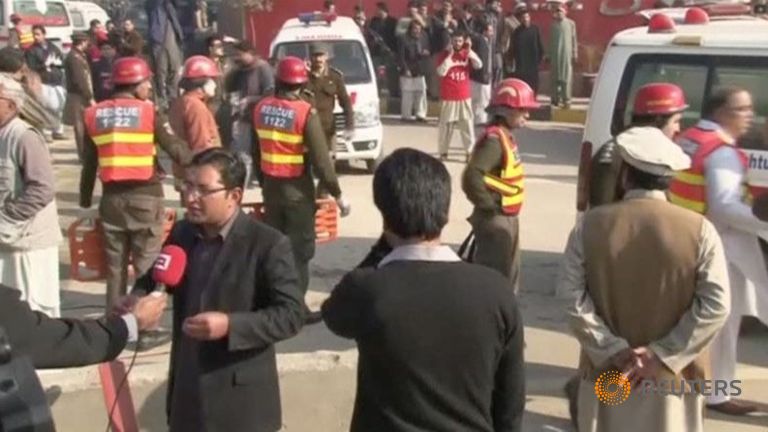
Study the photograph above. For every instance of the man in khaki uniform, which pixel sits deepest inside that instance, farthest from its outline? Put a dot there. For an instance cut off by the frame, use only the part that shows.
(327, 85)
(644, 307)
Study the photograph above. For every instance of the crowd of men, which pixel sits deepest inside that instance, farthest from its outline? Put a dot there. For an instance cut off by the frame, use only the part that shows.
(440, 340)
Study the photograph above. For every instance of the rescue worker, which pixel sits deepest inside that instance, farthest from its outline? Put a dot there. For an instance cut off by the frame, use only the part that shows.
(121, 133)
(716, 186)
(656, 104)
(291, 141)
(189, 116)
(327, 85)
(21, 36)
(493, 180)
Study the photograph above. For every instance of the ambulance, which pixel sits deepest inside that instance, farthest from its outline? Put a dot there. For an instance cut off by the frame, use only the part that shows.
(696, 57)
(54, 15)
(348, 53)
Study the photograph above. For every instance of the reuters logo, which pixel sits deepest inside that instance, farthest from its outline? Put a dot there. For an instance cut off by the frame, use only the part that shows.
(612, 388)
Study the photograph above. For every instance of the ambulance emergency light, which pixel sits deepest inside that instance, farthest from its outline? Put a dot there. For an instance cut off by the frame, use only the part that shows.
(315, 17)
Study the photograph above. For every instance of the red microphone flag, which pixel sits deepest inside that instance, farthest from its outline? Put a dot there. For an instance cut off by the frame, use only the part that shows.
(169, 266)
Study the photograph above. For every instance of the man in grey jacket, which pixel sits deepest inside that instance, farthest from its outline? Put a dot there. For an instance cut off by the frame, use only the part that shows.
(29, 224)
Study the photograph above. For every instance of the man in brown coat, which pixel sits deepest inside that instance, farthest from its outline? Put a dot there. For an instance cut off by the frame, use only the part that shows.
(79, 88)
(646, 289)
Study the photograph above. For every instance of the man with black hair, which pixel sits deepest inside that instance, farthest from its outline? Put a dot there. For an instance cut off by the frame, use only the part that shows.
(250, 81)
(102, 70)
(33, 111)
(46, 59)
(440, 340)
(717, 186)
(240, 295)
(646, 290)
(292, 149)
(122, 134)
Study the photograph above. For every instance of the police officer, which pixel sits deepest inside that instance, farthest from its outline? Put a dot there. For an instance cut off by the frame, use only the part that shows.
(121, 133)
(659, 105)
(327, 85)
(493, 180)
(291, 141)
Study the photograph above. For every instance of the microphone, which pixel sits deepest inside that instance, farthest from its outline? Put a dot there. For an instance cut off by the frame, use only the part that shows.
(167, 272)
(169, 268)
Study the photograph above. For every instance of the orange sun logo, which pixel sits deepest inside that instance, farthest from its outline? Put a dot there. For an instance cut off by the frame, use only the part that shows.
(612, 388)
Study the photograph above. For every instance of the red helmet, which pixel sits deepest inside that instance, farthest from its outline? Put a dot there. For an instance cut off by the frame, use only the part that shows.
(514, 93)
(200, 67)
(661, 23)
(292, 70)
(659, 99)
(130, 70)
(696, 15)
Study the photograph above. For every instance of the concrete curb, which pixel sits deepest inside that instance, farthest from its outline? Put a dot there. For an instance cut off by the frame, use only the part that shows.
(575, 115)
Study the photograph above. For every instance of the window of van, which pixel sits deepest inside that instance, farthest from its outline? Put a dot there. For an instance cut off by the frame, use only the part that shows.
(55, 16)
(696, 75)
(347, 56)
(78, 21)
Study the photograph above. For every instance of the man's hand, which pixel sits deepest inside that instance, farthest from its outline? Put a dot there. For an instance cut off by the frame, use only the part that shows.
(646, 367)
(149, 309)
(345, 208)
(623, 360)
(125, 304)
(207, 326)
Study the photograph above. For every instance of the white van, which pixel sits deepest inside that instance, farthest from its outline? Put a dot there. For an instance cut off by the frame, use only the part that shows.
(348, 52)
(54, 15)
(731, 51)
(83, 13)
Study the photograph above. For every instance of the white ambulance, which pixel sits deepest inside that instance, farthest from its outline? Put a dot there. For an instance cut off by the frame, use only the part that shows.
(54, 15)
(732, 51)
(348, 53)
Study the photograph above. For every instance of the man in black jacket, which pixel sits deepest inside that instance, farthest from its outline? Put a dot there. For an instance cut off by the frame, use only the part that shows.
(62, 343)
(440, 340)
(238, 297)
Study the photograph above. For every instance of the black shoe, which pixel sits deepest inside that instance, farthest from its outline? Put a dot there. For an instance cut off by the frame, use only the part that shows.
(571, 390)
(421, 119)
(151, 339)
(444, 157)
(52, 394)
(59, 137)
(312, 317)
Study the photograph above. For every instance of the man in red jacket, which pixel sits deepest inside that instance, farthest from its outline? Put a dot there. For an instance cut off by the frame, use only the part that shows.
(453, 67)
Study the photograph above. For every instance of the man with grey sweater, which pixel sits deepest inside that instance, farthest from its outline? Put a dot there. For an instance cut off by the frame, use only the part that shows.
(440, 340)
(29, 224)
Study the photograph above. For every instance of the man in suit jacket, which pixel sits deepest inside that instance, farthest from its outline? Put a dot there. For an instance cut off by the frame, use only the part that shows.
(61, 343)
(238, 297)
(440, 340)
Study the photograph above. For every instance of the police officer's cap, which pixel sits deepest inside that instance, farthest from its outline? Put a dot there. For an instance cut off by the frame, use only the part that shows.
(318, 48)
(650, 151)
(78, 37)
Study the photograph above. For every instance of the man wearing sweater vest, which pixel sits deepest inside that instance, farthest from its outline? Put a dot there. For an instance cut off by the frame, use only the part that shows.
(647, 290)
(453, 67)
(440, 340)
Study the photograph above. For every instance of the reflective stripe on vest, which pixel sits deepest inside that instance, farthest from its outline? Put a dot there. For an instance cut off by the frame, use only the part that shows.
(689, 188)
(26, 38)
(509, 183)
(279, 124)
(123, 132)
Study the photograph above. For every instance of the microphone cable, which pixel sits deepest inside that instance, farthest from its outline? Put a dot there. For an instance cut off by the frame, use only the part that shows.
(122, 384)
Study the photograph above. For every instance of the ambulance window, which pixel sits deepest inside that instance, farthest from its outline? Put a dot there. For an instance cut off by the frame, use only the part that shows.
(348, 56)
(54, 16)
(643, 69)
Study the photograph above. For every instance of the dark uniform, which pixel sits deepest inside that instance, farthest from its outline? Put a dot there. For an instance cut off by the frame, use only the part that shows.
(604, 175)
(132, 212)
(328, 86)
(494, 220)
(290, 202)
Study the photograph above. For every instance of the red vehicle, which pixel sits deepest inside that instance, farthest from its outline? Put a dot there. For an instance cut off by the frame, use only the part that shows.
(596, 20)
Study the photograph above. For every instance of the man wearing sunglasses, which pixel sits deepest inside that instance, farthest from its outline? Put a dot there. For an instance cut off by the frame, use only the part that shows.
(238, 297)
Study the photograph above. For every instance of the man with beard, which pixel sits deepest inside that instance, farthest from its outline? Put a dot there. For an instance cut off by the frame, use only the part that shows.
(527, 50)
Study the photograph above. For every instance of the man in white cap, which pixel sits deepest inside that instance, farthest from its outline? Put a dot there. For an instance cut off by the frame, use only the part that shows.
(29, 224)
(647, 290)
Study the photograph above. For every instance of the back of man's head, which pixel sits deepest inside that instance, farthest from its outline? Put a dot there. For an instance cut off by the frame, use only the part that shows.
(11, 60)
(412, 190)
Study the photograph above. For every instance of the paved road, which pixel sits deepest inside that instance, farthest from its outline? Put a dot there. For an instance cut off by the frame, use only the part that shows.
(317, 368)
